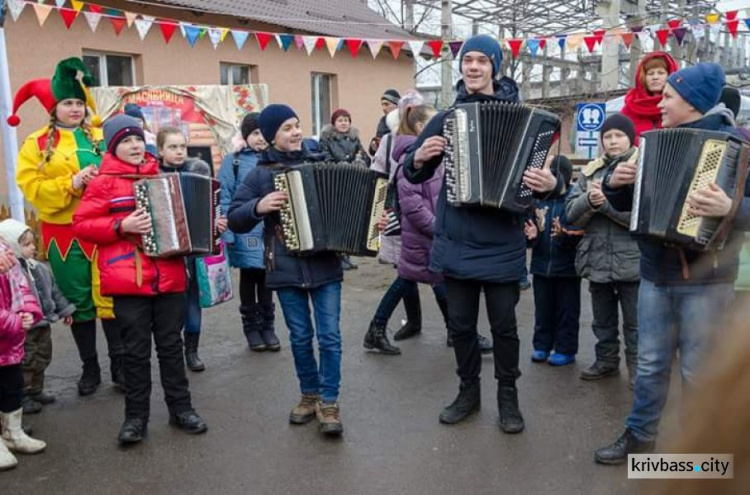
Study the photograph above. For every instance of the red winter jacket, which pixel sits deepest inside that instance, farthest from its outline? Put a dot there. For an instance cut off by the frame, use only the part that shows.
(640, 105)
(125, 270)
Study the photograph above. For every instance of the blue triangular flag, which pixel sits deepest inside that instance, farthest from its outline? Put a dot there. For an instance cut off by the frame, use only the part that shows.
(192, 33)
(286, 41)
(561, 41)
(240, 37)
(533, 45)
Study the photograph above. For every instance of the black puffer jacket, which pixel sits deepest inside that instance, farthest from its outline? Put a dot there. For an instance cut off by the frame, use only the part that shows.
(283, 269)
(342, 147)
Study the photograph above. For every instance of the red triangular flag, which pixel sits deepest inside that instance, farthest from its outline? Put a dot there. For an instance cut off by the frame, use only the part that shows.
(95, 9)
(515, 47)
(542, 43)
(263, 39)
(436, 46)
(732, 27)
(627, 39)
(320, 43)
(731, 15)
(590, 42)
(599, 35)
(167, 29)
(118, 23)
(662, 34)
(69, 16)
(353, 45)
(674, 24)
(395, 47)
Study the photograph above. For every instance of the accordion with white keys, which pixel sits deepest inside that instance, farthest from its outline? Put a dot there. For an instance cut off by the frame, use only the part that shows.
(490, 146)
(332, 207)
(674, 163)
(183, 209)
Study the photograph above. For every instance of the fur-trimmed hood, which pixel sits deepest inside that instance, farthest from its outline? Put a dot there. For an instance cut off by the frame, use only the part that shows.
(330, 132)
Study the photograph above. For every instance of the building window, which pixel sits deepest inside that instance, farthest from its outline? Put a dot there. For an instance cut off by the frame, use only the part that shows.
(110, 69)
(233, 74)
(321, 100)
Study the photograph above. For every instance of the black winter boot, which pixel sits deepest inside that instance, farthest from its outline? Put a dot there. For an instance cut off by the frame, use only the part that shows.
(268, 315)
(413, 325)
(91, 377)
(617, 453)
(468, 401)
(192, 360)
(377, 338)
(251, 325)
(511, 420)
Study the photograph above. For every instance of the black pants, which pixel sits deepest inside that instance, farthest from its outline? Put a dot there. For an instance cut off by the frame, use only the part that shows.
(604, 302)
(253, 289)
(163, 316)
(557, 303)
(11, 388)
(463, 312)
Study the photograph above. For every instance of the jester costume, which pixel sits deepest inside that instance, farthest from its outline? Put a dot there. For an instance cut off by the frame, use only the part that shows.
(45, 174)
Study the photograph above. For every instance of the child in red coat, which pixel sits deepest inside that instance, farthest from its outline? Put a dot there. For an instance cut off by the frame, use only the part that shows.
(148, 293)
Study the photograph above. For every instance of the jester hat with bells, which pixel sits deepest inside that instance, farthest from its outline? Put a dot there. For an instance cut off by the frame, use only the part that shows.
(71, 80)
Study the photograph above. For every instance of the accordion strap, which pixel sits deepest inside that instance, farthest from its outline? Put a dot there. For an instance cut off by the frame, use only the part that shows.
(138, 267)
(725, 227)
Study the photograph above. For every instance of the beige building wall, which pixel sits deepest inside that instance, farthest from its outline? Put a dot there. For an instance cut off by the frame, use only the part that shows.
(358, 83)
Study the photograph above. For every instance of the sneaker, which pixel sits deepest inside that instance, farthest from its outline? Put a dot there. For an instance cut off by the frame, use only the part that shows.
(30, 406)
(304, 412)
(539, 356)
(617, 453)
(329, 418)
(597, 371)
(558, 359)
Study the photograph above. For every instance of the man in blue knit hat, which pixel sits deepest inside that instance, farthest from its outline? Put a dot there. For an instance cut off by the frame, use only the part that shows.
(478, 249)
(684, 293)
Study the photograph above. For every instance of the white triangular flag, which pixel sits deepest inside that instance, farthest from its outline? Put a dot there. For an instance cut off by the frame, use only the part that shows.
(310, 42)
(143, 25)
(93, 19)
(215, 34)
(416, 47)
(16, 7)
(699, 31)
(375, 47)
(130, 17)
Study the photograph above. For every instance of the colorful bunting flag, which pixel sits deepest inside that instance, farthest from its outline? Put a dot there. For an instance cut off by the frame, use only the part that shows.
(332, 44)
(263, 39)
(590, 42)
(42, 12)
(561, 41)
(77, 6)
(627, 39)
(68, 16)
(310, 43)
(533, 46)
(60, 3)
(731, 15)
(732, 27)
(395, 47)
(375, 47)
(542, 43)
(130, 17)
(436, 46)
(662, 35)
(679, 34)
(416, 47)
(712, 18)
(16, 7)
(599, 35)
(240, 37)
(285, 41)
(299, 41)
(143, 26)
(118, 24)
(167, 29)
(215, 34)
(353, 45)
(192, 33)
(674, 24)
(515, 46)
(93, 19)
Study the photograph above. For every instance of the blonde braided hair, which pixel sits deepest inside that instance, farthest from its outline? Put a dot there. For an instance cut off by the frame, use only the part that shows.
(50, 139)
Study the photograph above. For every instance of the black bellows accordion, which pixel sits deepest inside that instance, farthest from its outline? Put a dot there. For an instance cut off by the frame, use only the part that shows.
(490, 146)
(183, 209)
(332, 207)
(674, 163)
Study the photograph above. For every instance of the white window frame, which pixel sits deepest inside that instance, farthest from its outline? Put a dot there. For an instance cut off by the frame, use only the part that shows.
(318, 116)
(229, 66)
(103, 77)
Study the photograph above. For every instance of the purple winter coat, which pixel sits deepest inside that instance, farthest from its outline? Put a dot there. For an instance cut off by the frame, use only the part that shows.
(417, 202)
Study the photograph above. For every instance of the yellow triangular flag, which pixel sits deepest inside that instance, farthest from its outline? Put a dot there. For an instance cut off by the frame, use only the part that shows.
(77, 6)
(332, 44)
(130, 17)
(712, 18)
(224, 33)
(42, 12)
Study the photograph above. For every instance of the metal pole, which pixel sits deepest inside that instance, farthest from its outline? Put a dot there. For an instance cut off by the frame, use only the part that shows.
(446, 69)
(10, 138)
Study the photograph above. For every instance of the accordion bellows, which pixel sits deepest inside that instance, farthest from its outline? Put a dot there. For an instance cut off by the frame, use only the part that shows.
(673, 164)
(183, 210)
(332, 207)
(490, 146)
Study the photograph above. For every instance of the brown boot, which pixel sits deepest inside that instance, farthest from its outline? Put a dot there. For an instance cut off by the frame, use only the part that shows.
(329, 418)
(304, 412)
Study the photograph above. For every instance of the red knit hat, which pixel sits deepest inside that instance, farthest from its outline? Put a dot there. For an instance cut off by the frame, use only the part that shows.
(340, 112)
(39, 88)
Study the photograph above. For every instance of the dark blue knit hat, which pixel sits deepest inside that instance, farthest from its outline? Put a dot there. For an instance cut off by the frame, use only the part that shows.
(134, 111)
(699, 85)
(486, 44)
(271, 118)
(118, 128)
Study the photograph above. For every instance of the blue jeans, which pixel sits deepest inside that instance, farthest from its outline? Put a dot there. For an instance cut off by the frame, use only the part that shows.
(398, 289)
(326, 301)
(683, 317)
(193, 311)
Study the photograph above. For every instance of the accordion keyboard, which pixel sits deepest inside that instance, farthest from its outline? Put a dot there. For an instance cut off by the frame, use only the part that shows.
(542, 145)
(706, 173)
(376, 213)
(291, 236)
